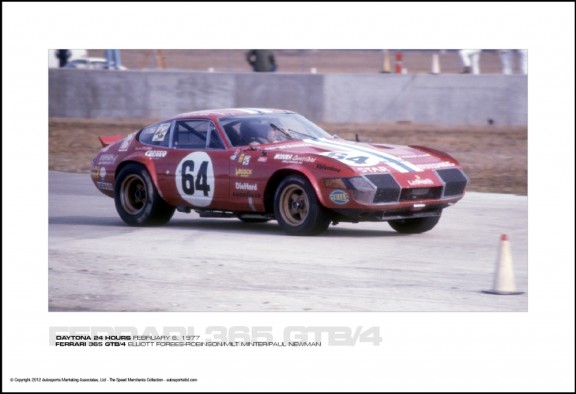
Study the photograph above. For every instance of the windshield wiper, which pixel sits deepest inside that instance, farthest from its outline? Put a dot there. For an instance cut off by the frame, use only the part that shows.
(284, 132)
(288, 132)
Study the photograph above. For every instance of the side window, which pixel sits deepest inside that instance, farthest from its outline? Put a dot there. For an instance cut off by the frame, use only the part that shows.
(214, 141)
(233, 133)
(157, 135)
(196, 134)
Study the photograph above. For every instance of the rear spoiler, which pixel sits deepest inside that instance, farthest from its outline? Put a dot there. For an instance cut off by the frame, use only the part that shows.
(106, 140)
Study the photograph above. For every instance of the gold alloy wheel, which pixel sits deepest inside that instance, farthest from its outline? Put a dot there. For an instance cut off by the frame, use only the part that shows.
(294, 205)
(133, 194)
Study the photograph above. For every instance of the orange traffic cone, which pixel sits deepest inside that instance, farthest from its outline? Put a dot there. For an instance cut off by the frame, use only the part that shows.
(504, 276)
(386, 62)
(399, 67)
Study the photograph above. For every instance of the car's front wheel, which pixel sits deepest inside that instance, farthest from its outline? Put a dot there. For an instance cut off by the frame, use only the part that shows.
(414, 226)
(137, 200)
(297, 208)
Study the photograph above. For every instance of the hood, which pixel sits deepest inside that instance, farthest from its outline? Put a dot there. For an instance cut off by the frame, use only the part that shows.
(368, 158)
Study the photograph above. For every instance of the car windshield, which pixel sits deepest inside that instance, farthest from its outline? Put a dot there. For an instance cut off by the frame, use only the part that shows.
(269, 128)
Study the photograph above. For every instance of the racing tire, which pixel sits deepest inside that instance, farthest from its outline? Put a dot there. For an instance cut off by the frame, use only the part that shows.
(414, 226)
(137, 201)
(297, 208)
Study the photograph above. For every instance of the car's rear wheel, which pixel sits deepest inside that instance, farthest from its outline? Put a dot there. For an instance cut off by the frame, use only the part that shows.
(137, 200)
(414, 226)
(297, 208)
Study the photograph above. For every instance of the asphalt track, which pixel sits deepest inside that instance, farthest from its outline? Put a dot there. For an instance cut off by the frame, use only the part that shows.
(97, 263)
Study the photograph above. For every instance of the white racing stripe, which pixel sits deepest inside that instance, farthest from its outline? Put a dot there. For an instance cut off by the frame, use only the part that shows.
(393, 161)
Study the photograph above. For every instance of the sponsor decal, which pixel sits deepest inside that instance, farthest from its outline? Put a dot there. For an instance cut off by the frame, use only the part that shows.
(102, 172)
(339, 197)
(94, 173)
(327, 168)
(126, 142)
(161, 131)
(243, 172)
(419, 181)
(235, 154)
(246, 186)
(263, 159)
(291, 158)
(244, 159)
(430, 166)
(302, 159)
(370, 170)
(246, 195)
(107, 159)
(156, 153)
(104, 186)
(282, 156)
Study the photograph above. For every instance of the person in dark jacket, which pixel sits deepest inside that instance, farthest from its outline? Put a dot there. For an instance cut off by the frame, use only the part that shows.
(63, 55)
(261, 60)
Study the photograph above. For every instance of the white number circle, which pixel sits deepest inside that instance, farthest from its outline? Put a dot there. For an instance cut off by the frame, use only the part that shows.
(195, 179)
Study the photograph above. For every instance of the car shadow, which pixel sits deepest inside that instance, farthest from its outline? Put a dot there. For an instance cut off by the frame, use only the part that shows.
(222, 226)
(87, 221)
(271, 228)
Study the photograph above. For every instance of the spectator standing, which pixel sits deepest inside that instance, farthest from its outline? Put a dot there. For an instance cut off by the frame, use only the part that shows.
(261, 60)
(63, 55)
(471, 61)
(113, 59)
(507, 59)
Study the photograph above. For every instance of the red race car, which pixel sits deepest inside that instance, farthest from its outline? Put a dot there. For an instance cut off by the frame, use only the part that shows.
(267, 164)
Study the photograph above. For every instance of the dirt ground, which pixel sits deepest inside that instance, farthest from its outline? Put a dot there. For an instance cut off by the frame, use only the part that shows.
(494, 157)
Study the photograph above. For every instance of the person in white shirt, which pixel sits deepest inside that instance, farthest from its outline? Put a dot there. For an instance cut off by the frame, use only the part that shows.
(470, 60)
(507, 58)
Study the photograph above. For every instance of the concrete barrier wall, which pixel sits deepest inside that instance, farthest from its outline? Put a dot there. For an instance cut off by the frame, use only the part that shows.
(336, 98)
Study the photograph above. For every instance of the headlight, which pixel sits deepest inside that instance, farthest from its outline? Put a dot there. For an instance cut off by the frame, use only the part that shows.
(361, 184)
(335, 183)
(360, 188)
